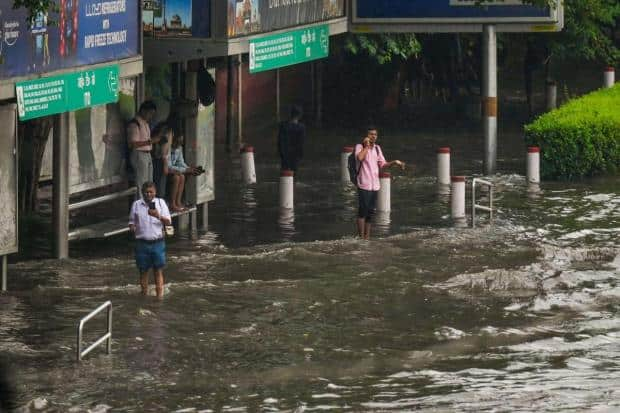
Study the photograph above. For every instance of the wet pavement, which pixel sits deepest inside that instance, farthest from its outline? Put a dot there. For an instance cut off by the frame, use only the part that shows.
(271, 311)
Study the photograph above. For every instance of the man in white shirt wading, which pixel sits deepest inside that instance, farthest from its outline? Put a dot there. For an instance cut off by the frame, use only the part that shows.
(147, 219)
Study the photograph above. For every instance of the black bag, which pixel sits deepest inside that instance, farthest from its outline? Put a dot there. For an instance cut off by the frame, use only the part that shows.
(353, 169)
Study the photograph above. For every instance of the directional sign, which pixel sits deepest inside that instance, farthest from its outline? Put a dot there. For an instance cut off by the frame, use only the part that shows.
(289, 48)
(67, 92)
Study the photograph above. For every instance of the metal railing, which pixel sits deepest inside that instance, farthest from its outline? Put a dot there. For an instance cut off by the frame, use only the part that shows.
(107, 336)
(475, 206)
(103, 198)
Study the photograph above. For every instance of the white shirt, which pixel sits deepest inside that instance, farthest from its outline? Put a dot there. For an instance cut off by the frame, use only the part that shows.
(147, 227)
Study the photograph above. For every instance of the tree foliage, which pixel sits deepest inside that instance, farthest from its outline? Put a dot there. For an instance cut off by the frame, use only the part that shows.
(384, 47)
(36, 7)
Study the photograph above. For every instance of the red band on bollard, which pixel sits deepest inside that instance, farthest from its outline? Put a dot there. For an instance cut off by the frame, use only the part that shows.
(533, 149)
(247, 149)
(610, 69)
(385, 175)
(287, 172)
(444, 149)
(348, 149)
(458, 179)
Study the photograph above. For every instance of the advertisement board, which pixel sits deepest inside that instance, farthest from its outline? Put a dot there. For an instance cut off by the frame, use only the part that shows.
(176, 18)
(8, 179)
(82, 32)
(450, 12)
(255, 16)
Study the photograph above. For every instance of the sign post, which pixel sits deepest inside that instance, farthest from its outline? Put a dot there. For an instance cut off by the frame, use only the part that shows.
(67, 92)
(289, 48)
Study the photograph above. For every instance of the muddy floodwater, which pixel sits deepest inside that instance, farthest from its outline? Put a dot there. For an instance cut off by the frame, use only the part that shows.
(287, 311)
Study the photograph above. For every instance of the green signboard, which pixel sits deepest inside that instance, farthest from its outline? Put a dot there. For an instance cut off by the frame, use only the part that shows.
(289, 48)
(67, 92)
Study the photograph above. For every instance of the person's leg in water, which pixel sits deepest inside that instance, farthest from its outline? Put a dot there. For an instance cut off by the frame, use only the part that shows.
(144, 282)
(367, 228)
(159, 282)
(361, 227)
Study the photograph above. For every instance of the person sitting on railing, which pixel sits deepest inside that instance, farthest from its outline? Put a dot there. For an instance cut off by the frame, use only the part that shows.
(147, 219)
(160, 154)
(177, 171)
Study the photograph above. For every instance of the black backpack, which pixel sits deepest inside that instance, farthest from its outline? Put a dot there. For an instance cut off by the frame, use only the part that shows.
(354, 170)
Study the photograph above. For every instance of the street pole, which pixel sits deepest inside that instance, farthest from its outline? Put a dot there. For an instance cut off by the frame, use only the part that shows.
(278, 95)
(230, 103)
(489, 97)
(60, 193)
(240, 101)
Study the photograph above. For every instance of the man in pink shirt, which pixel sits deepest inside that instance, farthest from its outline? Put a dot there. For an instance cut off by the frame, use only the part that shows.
(370, 161)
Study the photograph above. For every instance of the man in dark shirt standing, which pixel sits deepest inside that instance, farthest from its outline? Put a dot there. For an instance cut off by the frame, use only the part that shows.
(291, 136)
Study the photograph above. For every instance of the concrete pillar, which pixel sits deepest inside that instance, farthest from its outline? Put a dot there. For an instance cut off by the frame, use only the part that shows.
(183, 224)
(457, 201)
(204, 214)
(4, 272)
(287, 189)
(443, 166)
(344, 164)
(384, 203)
(60, 194)
(551, 94)
(533, 165)
(489, 97)
(609, 77)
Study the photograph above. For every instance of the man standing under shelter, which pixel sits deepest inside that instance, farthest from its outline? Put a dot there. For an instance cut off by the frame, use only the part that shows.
(370, 161)
(140, 143)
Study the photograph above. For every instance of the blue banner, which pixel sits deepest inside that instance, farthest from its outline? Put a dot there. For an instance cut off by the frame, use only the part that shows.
(457, 11)
(83, 32)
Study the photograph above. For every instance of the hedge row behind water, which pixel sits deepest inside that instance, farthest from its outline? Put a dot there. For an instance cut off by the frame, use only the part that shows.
(581, 138)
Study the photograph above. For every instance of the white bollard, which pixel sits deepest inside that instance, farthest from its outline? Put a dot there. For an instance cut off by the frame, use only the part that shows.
(533, 165)
(609, 77)
(443, 166)
(248, 172)
(458, 198)
(551, 95)
(286, 189)
(383, 197)
(344, 163)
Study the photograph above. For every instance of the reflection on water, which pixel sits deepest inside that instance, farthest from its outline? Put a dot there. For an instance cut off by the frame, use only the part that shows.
(275, 310)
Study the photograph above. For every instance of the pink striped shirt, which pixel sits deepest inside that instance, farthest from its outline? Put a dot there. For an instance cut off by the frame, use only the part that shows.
(368, 176)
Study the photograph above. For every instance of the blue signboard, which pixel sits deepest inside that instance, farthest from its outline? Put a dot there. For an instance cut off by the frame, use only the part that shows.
(449, 11)
(83, 32)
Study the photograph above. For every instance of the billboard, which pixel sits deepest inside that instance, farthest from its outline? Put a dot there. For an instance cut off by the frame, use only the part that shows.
(83, 32)
(176, 18)
(255, 16)
(450, 12)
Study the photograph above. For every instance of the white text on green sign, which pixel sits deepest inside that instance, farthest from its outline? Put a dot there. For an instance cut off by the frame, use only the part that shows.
(297, 46)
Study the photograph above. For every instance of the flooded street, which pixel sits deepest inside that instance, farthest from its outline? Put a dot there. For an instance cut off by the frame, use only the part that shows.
(273, 311)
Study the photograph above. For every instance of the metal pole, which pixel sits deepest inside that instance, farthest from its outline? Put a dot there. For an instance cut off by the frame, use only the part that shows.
(489, 97)
(60, 194)
(230, 103)
(109, 341)
(319, 94)
(278, 95)
(240, 100)
(4, 271)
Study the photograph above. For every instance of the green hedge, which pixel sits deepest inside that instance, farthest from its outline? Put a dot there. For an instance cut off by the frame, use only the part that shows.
(581, 138)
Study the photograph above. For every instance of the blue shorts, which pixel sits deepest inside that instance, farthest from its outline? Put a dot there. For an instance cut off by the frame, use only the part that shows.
(150, 255)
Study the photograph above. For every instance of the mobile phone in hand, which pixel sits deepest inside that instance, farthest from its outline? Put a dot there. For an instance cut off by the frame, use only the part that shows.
(151, 205)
